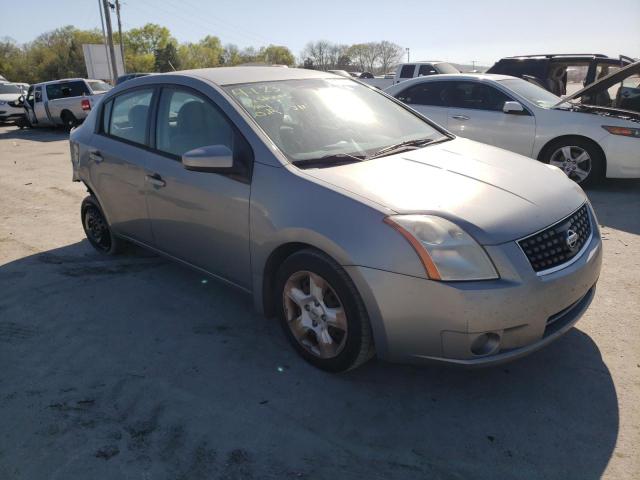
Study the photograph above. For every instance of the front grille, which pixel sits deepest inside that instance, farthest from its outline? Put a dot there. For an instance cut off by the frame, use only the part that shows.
(559, 243)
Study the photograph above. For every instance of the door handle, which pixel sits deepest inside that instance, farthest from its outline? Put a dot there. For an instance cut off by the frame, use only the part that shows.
(95, 156)
(155, 180)
(460, 117)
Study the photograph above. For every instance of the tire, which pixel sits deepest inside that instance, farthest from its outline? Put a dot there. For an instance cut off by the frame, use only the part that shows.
(97, 229)
(337, 314)
(557, 153)
(69, 120)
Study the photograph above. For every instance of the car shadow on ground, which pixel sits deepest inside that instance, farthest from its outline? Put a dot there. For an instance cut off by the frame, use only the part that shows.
(44, 134)
(132, 366)
(617, 204)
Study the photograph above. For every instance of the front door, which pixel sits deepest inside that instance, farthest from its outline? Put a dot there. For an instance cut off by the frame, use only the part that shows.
(426, 98)
(201, 218)
(475, 112)
(40, 107)
(117, 159)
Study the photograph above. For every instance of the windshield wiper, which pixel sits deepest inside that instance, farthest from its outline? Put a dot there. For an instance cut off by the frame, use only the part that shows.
(331, 159)
(402, 146)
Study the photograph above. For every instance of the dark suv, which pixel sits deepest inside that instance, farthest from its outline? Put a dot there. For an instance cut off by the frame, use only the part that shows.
(562, 74)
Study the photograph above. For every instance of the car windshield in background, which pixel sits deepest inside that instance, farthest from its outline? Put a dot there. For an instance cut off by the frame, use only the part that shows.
(535, 94)
(98, 86)
(8, 88)
(446, 68)
(315, 118)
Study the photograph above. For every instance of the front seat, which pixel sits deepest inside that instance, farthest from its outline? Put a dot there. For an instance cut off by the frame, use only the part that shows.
(196, 127)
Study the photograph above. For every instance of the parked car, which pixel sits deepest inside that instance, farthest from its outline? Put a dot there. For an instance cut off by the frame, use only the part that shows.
(561, 74)
(11, 108)
(360, 224)
(62, 102)
(406, 71)
(516, 115)
(130, 76)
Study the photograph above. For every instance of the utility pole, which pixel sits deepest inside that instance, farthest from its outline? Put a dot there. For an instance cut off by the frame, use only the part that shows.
(407, 49)
(104, 37)
(107, 18)
(124, 66)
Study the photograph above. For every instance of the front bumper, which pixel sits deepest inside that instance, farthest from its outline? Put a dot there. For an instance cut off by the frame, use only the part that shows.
(418, 320)
(10, 114)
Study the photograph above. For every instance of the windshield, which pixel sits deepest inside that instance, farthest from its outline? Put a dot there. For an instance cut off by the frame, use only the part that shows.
(9, 88)
(99, 86)
(310, 119)
(535, 94)
(446, 68)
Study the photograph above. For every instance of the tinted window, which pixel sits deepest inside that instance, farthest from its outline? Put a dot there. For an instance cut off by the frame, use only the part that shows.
(106, 117)
(187, 121)
(67, 89)
(38, 94)
(426, 70)
(475, 95)
(130, 116)
(425, 93)
(407, 71)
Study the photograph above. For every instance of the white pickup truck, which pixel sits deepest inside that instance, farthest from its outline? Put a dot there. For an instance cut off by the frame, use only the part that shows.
(64, 102)
(406, 71)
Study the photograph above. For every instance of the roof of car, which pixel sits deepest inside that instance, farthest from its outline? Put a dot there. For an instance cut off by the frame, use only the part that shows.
(67, 80)
(235, 75)
(461, 76)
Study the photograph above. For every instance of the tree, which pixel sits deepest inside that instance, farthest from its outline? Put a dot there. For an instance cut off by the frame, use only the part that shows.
(166, 58)
(318, 53)
(390, 55)
(276, 54)
(208, 52)
(148, 39)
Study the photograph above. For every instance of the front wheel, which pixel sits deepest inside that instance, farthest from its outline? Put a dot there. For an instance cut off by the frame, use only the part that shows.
(322, 313)
(97, 229)
(579, 159)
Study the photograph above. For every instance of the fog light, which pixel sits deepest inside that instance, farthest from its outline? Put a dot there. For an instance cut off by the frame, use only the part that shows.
(485, 344)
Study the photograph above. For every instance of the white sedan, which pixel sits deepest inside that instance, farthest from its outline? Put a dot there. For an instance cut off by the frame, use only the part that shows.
(586, 141)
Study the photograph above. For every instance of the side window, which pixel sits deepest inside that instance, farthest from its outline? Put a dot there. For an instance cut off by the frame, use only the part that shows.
(426, 70)
(76, 89)
(187, 121)
(106, 117)
(54, 90)
(407, 71)
(130, 116)
(38, 94)
(425, 93)
(476, 96)
(30, 95)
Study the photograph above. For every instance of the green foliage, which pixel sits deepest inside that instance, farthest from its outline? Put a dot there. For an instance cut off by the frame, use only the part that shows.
(151, 48)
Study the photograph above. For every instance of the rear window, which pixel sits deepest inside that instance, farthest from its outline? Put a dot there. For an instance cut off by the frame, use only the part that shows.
(407, 71)
(8, 88)
(425, 93)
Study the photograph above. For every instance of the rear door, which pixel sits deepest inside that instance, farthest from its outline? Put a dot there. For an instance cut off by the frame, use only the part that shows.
(201, 218)
(405, 72)
(118, 156)
(475, 112)
(428, 99)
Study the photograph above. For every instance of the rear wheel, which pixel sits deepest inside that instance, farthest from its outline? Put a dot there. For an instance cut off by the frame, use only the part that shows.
(69, 120)
(322, 313)
(97, 229)
(579, 159)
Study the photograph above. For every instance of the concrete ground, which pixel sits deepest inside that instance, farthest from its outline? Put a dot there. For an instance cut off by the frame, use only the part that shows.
(136, 368)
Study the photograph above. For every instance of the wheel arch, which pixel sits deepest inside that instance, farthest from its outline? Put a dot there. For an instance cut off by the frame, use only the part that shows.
(547, 146)
(273, 262)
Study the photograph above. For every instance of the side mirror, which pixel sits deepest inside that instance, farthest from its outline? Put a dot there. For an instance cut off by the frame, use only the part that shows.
(21, 99)
(212, 158)
(515, 108)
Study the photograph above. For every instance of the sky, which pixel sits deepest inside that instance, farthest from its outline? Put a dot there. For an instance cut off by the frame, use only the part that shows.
(462, 31)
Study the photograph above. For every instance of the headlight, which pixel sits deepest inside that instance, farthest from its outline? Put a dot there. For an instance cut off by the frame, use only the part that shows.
(446, 251)
(2, 102)
(623, 131)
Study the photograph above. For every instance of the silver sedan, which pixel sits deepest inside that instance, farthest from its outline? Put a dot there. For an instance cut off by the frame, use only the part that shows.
(361, 225)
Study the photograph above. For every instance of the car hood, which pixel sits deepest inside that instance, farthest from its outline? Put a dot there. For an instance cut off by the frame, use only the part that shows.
(495, 195)
(604, 83)
(9, 97)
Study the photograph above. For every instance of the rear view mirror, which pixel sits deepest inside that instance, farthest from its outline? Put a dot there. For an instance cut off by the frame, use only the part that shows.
(513, 107)
(212, 158)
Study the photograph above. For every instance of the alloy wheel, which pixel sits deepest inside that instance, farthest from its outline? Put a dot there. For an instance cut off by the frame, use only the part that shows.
(315, 315)
(574, 161)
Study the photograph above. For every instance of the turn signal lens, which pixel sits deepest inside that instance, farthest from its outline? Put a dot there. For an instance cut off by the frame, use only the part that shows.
(623, 131)
(86, 105)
